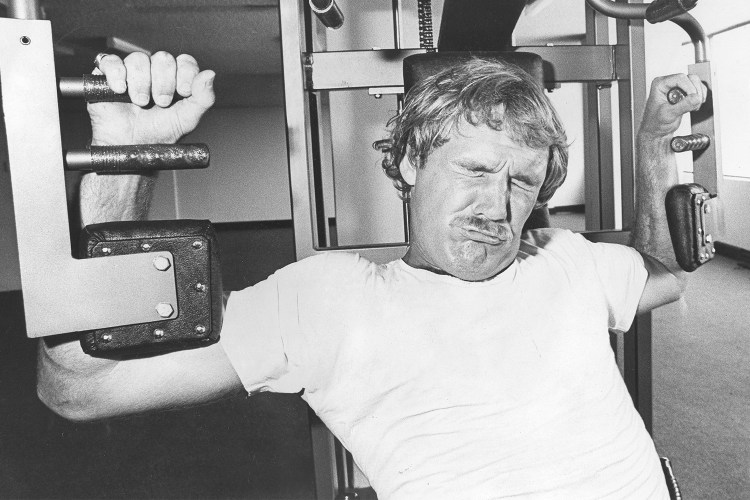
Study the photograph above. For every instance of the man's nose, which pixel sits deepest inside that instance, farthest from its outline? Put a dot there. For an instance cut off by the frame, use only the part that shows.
(493, 198)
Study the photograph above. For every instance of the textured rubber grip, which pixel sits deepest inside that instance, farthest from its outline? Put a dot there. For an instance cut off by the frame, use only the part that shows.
(663, 10)
(140, 158)
(95, 89)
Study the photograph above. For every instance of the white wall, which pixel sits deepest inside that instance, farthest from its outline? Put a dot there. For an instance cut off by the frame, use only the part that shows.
(248, 179)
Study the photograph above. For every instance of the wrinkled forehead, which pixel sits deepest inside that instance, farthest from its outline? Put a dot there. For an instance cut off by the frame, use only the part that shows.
(492, 137)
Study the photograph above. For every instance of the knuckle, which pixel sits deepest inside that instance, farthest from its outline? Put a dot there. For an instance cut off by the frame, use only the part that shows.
(187, 59)
(162, 57)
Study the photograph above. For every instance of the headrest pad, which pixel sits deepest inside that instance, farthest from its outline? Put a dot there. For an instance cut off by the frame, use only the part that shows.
(420, 66)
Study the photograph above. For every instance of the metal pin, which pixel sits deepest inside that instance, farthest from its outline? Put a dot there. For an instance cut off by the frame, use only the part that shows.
(200, 329)
(197, 245)
(200, 287)
(106, 338)
(159, 333)
(106, 250)
(146, 247)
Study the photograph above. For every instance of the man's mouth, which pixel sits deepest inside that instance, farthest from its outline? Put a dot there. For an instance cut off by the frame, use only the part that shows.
(490, 237)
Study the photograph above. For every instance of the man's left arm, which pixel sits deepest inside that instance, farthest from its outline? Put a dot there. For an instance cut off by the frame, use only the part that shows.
(655, 174)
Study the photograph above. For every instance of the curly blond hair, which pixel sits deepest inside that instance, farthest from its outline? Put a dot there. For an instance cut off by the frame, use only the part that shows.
(475, 90)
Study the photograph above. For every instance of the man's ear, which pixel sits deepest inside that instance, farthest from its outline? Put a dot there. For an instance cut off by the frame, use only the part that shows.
(408, 170)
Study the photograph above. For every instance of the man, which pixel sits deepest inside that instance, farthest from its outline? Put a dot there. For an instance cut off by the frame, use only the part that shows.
(478, 366)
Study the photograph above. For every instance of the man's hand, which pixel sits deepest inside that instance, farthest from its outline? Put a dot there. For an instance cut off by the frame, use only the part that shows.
(661, 118)
(145, 78)
(655, 174)
(107, 198)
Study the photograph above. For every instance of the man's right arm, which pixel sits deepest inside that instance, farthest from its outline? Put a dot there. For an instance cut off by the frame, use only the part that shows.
(70, 382)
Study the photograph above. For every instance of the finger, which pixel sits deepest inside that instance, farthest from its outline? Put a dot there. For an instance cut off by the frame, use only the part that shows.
(201, 99)
(187, 70)
(701, 88)
(163, 73)
(138, 67)
(692, 90)
(202, 90)
(113, 68)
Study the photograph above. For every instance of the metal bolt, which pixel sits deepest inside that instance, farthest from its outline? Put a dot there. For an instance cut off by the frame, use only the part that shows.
(200, 329)
(146, 247)
(159, 333)
(200, 287)
(197, 245)
(164, 309)
(162, 263)
(106, 250)
(106, 338)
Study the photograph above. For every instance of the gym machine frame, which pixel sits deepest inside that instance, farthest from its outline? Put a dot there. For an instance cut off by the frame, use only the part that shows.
(61, 294)
(310, 75)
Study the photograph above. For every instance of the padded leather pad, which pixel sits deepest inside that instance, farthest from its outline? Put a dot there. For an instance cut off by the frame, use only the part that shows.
(197, 271)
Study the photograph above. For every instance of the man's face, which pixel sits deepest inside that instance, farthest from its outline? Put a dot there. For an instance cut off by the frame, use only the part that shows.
(470, 201)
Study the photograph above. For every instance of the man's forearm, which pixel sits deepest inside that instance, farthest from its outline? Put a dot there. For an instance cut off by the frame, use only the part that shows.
(105, 198)
(655, 174)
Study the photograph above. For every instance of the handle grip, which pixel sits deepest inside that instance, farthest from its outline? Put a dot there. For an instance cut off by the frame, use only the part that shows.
(93, 88)
(138, 159)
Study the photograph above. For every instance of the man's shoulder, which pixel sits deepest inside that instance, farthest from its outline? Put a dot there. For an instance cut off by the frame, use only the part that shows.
(328, 266)
(549, 238)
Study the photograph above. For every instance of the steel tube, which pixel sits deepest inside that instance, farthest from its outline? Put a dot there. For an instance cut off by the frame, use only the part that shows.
(328, 13)
(24, 9)
(696, 33)
(619, 10)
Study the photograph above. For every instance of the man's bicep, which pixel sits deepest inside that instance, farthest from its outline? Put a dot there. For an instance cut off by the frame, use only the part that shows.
(174, 380)
(662, 285)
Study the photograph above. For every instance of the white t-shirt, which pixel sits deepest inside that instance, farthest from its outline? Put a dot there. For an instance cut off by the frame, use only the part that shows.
(442, 388)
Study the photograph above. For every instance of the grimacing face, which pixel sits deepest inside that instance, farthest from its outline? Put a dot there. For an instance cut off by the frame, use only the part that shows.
(470, 201)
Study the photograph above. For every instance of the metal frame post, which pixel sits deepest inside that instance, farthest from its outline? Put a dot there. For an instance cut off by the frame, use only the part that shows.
(61, 294)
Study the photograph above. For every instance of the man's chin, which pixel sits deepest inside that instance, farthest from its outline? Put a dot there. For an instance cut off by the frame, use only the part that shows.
(479, 264)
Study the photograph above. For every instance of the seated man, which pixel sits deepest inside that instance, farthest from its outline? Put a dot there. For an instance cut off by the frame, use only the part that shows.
(479, 365)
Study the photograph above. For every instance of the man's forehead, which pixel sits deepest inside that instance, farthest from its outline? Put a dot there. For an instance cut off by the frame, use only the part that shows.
(478, 140)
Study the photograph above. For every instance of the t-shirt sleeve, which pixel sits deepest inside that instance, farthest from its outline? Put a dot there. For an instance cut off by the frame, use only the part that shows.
(269, 331)
(622, 276)
(617, 270)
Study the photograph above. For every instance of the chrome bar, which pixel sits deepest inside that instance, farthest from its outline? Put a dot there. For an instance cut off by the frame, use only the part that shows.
(24, 9)
(619, 10)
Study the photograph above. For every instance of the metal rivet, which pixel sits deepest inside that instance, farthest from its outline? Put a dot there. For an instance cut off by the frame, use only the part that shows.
(25, 40)
(197, 245)
(200, 329)
(146, 247)
(164, 309)
(106, 250)
(707, 208)
(106, 338)
(200, 287)
(162, 263)
(158, 333)
(709, 238)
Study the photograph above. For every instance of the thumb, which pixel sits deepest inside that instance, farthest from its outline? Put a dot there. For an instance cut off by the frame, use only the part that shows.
(190, 110)
(202, 90)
